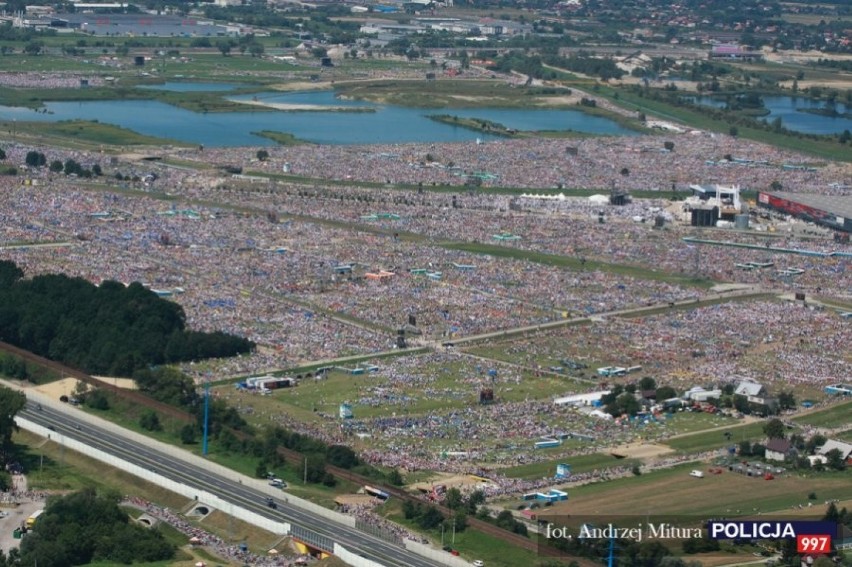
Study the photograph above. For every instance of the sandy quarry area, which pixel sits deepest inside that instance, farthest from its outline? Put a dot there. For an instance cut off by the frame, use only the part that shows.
(66, 386)
(642, 451)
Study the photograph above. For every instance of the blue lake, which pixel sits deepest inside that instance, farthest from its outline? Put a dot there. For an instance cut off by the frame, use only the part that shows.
(387, 124)
(789, 109)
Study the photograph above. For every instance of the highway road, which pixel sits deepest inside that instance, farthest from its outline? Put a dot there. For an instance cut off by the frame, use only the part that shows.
(229, 489)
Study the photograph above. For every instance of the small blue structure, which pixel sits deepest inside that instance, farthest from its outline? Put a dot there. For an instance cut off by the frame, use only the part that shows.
(839, 390)
(563, 470)
(553, 495)
(612, 371)
(464, 267)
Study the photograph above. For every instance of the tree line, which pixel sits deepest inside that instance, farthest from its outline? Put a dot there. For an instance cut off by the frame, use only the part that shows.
(108, 329)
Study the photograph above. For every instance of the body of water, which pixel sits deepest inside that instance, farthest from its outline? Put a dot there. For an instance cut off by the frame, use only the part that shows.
(387, 124)
(790, 110)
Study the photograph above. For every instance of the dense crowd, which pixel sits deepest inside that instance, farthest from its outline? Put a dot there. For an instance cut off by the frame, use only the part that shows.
(592, 163)
(50, 81)
(295, 276)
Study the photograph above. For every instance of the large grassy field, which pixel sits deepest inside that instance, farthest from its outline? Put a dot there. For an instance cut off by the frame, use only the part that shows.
(316, 396)
(834, 416)
(81, 134)
(680, 423)
(716, 439)
(674, 491)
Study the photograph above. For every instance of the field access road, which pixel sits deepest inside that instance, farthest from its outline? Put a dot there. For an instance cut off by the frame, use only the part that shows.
(235, 489)
(739, 293)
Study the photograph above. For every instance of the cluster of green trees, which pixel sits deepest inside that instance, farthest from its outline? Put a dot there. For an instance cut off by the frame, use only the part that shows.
(171, 386)
(507, 521)
(703, 545)
(85, 527)
(13, 367)
(106, 329)
(622, 400)
(426, 516)
(11, 402)
(70, 167)
(472, 505)
(317, 455)
(35, 159)
(585, 63)
(12, 33)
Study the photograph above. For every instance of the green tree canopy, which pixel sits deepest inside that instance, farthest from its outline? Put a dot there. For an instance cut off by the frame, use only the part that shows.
(774, 429)
(107, 329)
(11, 402)
(85, 527)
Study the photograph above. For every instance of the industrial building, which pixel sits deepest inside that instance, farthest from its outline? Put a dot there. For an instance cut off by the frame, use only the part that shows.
(826, 210)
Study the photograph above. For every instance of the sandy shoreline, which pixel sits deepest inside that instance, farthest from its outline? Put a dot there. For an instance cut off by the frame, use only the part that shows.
(302, 107)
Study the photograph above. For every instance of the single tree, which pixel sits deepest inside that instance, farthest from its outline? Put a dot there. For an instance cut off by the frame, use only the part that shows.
(774, 429)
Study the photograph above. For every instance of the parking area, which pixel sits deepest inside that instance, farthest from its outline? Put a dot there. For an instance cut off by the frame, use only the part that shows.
(13, 514)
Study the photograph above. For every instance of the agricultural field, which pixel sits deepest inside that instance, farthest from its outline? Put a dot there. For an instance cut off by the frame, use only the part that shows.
(715, 494)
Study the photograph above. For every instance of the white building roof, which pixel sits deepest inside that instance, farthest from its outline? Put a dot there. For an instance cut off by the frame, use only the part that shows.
(844, 448)
(748, 389)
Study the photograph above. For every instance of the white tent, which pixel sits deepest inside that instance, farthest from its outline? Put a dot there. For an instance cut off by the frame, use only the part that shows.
(600, 414)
